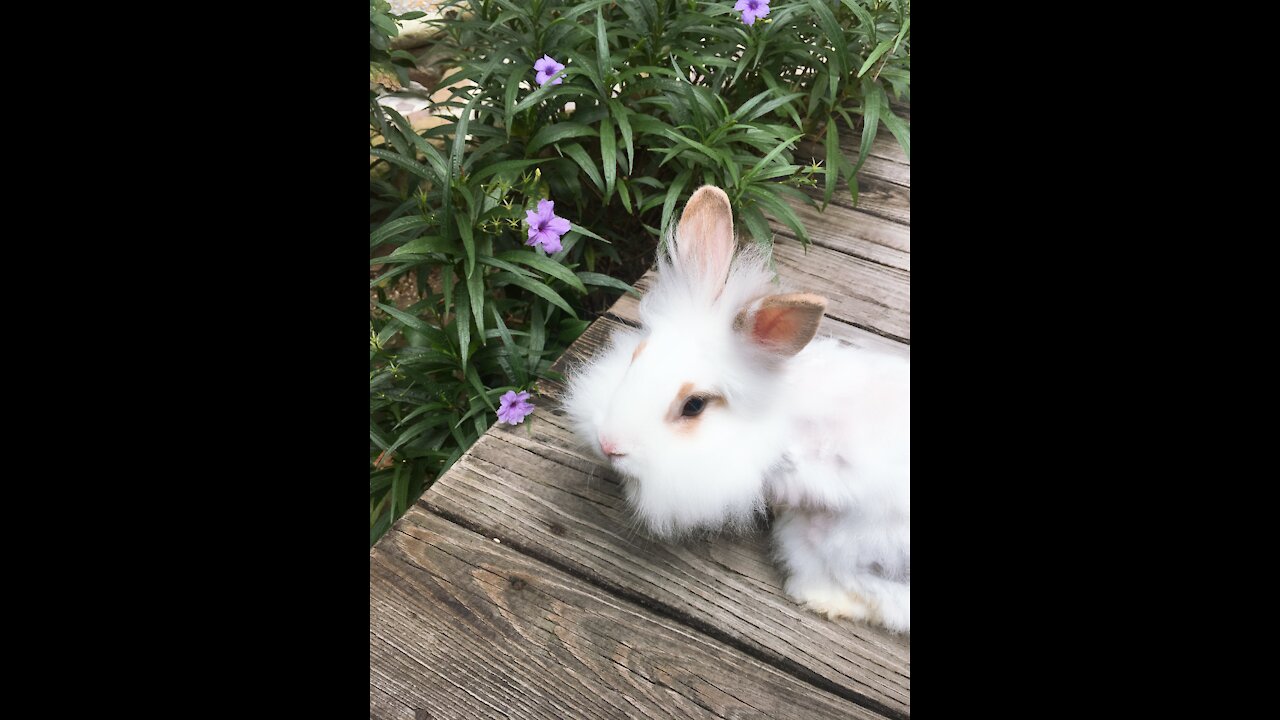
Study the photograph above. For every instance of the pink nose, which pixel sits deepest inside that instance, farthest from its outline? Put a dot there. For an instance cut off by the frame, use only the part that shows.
(609, 447)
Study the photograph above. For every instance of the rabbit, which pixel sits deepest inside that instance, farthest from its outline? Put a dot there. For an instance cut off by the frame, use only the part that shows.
(723, 404)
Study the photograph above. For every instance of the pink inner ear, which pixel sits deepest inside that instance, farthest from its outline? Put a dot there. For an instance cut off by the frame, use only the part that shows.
(706, 234)
(786, 323)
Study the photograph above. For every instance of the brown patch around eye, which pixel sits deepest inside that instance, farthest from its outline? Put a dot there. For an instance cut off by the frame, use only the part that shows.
(683, 423)
(639, 349)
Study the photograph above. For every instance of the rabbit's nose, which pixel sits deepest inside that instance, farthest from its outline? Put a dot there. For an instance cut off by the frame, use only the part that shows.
(609, 447)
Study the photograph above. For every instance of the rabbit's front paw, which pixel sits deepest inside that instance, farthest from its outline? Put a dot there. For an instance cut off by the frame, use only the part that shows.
(833, 601)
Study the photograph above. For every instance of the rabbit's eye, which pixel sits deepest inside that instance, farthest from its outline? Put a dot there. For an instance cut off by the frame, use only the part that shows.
(693, 406)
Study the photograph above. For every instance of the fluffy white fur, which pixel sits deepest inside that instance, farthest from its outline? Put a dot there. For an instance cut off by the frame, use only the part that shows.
(823, 437)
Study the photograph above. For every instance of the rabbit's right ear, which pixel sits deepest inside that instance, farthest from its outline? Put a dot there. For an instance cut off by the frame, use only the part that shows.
(704, 237)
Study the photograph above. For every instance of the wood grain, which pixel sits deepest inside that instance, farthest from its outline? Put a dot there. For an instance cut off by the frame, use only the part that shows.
(576, 612)
(463, 627)
(866, 299)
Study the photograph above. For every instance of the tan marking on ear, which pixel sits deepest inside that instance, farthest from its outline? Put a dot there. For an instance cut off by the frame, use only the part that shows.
(639, 349)
(783, 324)
(705, 239)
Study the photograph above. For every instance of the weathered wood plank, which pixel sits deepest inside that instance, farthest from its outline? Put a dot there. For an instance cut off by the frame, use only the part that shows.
(534, 487)
(866, 299)
(875, 165)
(852, 232)
(463, 627)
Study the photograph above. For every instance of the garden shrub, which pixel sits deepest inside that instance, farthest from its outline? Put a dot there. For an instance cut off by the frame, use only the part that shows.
(606, 114)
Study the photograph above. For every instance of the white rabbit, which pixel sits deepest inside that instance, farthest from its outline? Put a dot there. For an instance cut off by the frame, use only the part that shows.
(721, 403)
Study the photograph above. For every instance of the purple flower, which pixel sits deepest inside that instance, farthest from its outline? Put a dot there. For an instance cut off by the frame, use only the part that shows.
(545, 228)
(513, 408)
(752, 9)
(547, 67)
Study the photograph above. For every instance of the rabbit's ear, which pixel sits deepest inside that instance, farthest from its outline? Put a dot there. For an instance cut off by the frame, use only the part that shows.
(704, 237)
(781, 324)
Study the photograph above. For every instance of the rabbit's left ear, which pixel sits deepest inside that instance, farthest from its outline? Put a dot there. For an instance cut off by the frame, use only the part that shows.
(704, 237)
(781, 324)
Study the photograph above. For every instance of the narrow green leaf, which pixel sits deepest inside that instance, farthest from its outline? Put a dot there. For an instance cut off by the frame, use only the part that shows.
(433, 156)
(537, 288)
(475, 288)
(462, 319)
(518, 367)
(875, 55)
(598, 280)
(412, 166)
(602, 45)
(624, 126)
(900, 130)
(870, 120)
(756, 223)
(780, 210)
(548, 134)
(833, 167)
(468, 243)
(503, 166)
(673, 194)
(575, 151)
(574, 227)
(396, 227)
(608, 156)
(539, 262)
(404, 317)
(424, 244)
(764, 161)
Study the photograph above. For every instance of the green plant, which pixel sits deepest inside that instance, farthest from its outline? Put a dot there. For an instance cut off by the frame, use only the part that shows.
(657, 97)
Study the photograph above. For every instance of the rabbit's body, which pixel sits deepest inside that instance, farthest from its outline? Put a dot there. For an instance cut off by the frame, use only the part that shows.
(721, 405)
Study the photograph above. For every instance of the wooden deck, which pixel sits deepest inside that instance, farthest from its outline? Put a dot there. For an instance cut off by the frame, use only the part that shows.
(517, 587)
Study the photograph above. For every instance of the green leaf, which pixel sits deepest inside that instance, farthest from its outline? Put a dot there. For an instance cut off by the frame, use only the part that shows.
(412, 166)
(503, 166)
(602, 45)
(756, 223)
(575, 151)
(673, 194)
(624, 125)
(771, 105)
(462, 319)
(475, 288)
(539, 262)
(598, 280)
(518, 71)
(764, 161)
(548, 90)
(875, 55)
(404, 317)
(865, 21)
(779, 209)
(396, 227)
(406, 56)
(433, 156)
(537, 288)
(424, 244)
(899, 129)
(870, 120)
(385, 24)
(460, 135)
(519, 369)
(504, 265)
(574, 227)
(833, 160)
(901, 34)
(548, 134)
(468, 243)
(608, 157)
